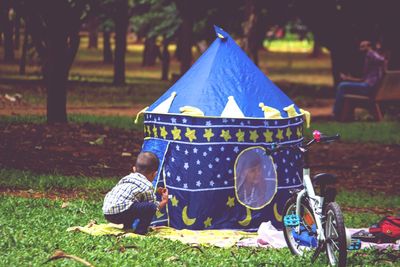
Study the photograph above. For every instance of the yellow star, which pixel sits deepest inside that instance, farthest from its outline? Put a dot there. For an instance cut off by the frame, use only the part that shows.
(190, 134)
(268, 136)
(288, 133)
(208, 134)
(163, 132)
(253, 136)
(147, 130)
(279, 135)
(299, 132)
(226, 135)
(155, 133)
(240, 136)
(207, 223)
(174, 201)
(176, 133)
(231, 202)
(159, 214)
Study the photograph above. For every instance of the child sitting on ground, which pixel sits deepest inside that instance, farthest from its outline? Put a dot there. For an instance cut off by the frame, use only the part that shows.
(133, 197)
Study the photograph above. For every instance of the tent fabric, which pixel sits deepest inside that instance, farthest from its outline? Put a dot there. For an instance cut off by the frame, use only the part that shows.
(199, 168)
(224, 71)
(205, 129)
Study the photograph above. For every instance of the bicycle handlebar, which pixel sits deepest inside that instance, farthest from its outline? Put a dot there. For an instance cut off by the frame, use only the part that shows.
(317, 138)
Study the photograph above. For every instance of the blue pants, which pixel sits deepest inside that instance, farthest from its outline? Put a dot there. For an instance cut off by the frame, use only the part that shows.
(356, 88)
(144, 211)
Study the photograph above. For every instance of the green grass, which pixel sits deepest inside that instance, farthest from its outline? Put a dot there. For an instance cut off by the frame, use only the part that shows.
(32, 229)
(28, 180)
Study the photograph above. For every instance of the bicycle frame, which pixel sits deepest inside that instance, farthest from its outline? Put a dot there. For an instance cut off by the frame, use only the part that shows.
(316, 203)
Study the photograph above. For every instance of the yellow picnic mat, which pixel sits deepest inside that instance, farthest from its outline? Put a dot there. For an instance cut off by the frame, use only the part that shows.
(218, 238)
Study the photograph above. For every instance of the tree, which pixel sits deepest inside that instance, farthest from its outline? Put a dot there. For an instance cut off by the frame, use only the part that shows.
(54, 27)
(7, 26)
(157, 19)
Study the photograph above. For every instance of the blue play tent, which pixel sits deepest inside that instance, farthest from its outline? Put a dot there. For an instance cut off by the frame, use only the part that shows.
(210, 130)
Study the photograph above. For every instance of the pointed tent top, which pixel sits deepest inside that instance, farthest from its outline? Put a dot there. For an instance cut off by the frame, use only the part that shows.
(224, 70)
(221, 33)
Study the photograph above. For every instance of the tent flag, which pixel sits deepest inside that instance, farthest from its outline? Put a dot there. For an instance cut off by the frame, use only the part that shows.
(210, 131)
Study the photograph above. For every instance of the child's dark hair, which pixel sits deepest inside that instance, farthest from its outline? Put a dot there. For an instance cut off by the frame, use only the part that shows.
(146, 163)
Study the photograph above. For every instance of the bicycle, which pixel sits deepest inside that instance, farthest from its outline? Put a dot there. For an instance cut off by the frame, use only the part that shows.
(313, 222)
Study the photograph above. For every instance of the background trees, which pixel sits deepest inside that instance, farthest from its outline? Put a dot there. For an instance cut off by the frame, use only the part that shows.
(53, 27)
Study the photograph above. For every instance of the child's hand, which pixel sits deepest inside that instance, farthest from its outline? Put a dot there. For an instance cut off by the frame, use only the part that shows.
(160, 190)
(164, 195)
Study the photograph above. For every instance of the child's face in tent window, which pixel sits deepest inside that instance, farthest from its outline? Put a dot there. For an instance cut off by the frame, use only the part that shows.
(253, 174)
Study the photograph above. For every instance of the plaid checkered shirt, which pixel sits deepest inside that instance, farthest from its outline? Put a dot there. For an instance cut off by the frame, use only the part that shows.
(131, 189)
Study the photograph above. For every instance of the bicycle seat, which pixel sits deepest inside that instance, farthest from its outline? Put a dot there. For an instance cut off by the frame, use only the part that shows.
(324, 179)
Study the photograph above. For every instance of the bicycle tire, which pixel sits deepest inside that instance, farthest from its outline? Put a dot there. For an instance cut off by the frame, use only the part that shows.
(290, 208)
(335, 233)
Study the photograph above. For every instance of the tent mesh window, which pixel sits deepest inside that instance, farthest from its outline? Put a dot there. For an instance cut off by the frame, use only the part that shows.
(255, 178)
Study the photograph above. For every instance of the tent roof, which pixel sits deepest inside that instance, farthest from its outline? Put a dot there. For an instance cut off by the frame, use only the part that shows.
(224, 72)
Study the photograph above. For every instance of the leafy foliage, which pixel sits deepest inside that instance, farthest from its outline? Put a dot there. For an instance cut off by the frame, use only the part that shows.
(156, 18)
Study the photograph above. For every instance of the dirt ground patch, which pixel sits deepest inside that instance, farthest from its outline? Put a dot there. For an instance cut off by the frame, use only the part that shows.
(67, 149)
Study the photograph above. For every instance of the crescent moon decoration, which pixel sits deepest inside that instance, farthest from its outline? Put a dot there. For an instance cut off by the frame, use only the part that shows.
(278, 217)
(159, 214)
(188, 221)
(246, 221)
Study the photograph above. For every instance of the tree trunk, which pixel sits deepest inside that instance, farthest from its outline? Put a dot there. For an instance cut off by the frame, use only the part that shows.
(7, 31)
(17, 28)
(61, 53)
(121, 28)
(150, 53)
(165, 61)
(250, 42)
(93, 25)
(185, 48)
(107, 53)
(317, 49)
(22, 60)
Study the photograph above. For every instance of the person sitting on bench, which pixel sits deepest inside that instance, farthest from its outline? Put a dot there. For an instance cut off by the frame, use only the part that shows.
(372, 75)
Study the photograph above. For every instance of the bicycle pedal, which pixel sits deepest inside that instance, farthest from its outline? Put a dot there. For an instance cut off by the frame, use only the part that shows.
(355, 244)
(291, 220)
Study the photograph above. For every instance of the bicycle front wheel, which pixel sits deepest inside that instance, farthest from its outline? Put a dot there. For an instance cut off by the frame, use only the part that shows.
(335, 233)
(302, 237)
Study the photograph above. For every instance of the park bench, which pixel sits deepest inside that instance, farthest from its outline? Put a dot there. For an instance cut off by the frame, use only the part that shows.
(388, 91)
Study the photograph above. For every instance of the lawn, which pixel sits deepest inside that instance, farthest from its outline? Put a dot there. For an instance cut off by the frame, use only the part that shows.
(23, 220)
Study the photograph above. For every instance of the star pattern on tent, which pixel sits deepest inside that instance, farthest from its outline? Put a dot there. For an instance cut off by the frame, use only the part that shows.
(268, 136)
(279, 135)
(288, 133)
(226, 135)
(208, 134)
(207, 222)
(240, 135)
(155, 131)
(176, 133)
(174, 201)
(190, 134)
(163, 132)
(253, 136)
(298, 132)
(231, 202)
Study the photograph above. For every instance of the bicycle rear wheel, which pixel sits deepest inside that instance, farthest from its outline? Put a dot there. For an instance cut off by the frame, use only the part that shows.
(335, 233)
(306, 239)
